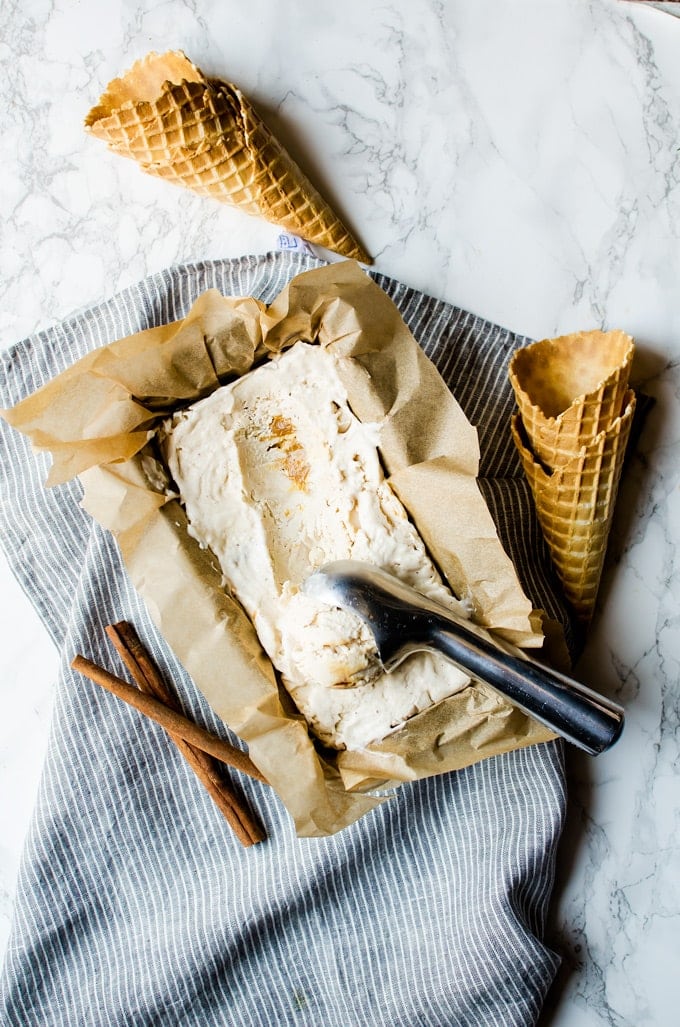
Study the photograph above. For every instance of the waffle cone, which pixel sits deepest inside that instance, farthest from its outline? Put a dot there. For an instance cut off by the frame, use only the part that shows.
(570, 389)
(575, 504)
(205, 135)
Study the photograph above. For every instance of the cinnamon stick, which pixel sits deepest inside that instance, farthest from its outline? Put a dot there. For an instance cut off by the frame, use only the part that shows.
(238, 815)
(174, 722)
(145, 673)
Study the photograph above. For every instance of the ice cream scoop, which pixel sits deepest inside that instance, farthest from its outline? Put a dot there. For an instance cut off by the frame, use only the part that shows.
(403, 621)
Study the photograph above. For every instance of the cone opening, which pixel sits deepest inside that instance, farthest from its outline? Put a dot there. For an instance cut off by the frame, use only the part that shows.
(144, 82)
(556, 373)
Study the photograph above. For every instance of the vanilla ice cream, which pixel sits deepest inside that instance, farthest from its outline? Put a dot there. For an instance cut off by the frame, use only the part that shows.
(279, 477)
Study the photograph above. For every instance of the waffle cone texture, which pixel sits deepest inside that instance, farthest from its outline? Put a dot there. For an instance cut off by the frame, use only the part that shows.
(571, 430)
(205, 135)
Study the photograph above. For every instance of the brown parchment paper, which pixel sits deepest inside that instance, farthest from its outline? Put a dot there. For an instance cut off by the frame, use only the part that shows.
(98, 420)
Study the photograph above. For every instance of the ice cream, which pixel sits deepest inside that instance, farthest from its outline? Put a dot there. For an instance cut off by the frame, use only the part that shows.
(278, 477)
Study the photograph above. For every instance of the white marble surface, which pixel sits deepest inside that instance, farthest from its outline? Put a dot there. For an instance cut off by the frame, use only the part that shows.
(519, 159)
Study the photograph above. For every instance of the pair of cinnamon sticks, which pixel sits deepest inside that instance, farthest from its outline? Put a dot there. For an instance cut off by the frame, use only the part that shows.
(200, 748)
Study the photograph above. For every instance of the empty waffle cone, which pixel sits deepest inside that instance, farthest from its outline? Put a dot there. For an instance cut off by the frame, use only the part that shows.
(570, 389)
(204, 134)
(575, 504)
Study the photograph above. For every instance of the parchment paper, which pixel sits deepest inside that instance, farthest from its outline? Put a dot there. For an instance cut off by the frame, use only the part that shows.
(98, 420)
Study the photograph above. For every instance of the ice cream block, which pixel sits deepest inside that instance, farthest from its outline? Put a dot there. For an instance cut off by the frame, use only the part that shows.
(204, 134)
(278, 477)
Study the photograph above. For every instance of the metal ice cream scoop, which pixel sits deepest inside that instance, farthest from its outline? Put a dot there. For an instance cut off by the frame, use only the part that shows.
(403, 621)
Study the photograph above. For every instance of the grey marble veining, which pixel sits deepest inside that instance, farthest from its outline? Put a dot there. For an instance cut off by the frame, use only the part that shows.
(520, 160)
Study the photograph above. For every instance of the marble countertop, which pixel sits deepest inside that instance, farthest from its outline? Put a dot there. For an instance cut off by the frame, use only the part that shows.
(520, 160)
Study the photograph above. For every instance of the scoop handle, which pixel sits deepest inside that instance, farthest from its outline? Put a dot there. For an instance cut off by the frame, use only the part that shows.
(570, 709)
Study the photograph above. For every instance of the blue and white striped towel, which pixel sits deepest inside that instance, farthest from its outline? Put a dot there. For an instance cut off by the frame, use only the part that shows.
(135, 903)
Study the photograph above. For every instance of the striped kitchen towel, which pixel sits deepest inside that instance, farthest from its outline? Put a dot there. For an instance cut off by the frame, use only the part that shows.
(135, 903)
